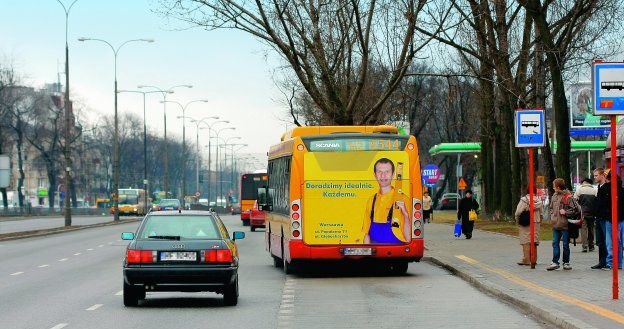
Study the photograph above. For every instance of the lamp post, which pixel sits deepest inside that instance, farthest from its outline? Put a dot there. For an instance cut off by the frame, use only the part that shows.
(218, 192)
(164, 93)
(68, 109)
(145, 180)
(225, 145)
(116, 136)
(183, 117)
(209, 126)
(197, 123)
(232, 165)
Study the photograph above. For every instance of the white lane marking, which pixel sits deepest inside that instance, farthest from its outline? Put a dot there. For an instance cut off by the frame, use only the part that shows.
(77, 254)
(62, 259)
(60, 326)
(111, 242)
(119, 293)
(94, 307)
(44, 265)
(17, 273)
(100, 246)
(90, 249)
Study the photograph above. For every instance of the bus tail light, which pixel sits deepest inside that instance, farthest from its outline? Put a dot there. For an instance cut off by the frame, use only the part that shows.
(417, 216)
(295, 219)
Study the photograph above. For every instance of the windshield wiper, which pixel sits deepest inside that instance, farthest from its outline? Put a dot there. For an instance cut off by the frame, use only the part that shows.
(165, 237)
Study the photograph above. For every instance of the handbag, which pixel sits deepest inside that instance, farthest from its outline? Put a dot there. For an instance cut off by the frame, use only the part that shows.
(472, 215)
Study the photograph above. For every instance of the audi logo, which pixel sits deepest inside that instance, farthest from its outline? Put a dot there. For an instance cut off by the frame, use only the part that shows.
(178, 246)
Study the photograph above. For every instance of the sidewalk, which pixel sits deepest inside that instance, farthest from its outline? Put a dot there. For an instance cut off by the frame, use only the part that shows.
(579, 298)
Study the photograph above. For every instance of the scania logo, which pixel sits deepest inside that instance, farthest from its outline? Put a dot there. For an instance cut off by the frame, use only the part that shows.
(178, 246)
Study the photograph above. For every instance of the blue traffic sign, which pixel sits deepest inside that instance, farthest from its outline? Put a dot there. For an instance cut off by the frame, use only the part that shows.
(529, 128)
(608, 87)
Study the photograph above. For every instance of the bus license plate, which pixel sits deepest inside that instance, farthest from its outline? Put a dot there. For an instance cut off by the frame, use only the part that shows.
(358, 251)
(178, 255)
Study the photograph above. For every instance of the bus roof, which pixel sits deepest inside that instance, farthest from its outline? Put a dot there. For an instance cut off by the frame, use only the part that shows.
(322, 130)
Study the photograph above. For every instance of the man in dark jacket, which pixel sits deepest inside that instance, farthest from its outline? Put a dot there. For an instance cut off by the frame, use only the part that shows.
(466, 204)
(586, 196)
(602, 210)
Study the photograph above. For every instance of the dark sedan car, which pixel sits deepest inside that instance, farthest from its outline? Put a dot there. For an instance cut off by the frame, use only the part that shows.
(187, 251)
(169, 204)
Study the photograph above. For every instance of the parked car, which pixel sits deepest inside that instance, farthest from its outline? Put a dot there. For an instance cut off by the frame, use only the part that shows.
(169, 204)
(188, 251)
(448, 201)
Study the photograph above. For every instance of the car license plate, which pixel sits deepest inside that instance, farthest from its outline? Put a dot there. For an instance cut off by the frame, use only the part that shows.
(358, 251)
(178, 255)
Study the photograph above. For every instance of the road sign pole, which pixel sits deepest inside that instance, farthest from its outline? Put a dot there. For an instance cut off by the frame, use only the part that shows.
(533, 256)
(614, 209)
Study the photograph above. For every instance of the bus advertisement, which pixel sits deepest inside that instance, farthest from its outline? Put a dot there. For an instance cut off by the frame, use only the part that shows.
(344, 192)
(250, 214)
(131, 202)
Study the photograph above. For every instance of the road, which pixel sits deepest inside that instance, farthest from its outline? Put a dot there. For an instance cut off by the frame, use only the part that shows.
(74, 280)
(21, 224)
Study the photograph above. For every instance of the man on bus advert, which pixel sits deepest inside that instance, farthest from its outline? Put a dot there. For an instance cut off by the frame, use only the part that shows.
(386, 217)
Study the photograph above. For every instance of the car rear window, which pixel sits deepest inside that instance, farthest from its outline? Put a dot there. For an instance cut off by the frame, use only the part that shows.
(186, 227)
(170, 203)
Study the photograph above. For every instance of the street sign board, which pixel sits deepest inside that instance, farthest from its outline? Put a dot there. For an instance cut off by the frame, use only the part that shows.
(608, 88)
(431, 174)
(462, 184)
(529, 128)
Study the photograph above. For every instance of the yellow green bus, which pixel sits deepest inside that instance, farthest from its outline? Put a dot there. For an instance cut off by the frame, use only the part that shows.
(344, 192)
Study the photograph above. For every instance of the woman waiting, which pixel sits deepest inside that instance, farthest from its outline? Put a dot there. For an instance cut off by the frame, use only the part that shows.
(466, 204)
(524, 225)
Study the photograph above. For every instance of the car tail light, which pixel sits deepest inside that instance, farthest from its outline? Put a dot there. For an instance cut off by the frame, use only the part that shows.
(217, 256)
(139, 256)
(159, 209)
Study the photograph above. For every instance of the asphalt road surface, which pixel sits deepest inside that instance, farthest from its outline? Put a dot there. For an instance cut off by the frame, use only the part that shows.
(74, 280)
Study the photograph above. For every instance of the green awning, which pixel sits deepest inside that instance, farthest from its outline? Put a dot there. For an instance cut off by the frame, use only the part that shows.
(449, 148)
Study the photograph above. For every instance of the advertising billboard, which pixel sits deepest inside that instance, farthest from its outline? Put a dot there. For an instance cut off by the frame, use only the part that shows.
(351, 200)
(580, 98)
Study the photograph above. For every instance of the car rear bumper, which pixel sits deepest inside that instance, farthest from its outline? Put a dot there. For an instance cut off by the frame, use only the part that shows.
(180, 278)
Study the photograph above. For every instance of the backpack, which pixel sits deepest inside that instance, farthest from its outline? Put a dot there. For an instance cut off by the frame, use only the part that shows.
(575, 220)
(525, 218)
(586, 201)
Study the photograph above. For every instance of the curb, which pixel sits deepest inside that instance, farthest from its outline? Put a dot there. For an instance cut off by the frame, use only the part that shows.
(61, 229)
(553, 317)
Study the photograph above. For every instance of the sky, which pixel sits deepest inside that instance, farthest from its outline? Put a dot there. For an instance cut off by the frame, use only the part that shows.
(229, 68)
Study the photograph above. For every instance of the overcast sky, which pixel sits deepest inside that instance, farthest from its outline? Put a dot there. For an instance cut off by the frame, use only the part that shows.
(228, 68)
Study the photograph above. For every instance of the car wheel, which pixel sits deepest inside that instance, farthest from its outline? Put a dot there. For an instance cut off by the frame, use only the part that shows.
(288, 268)
(277, 262)
(230, 294)
(252, 228)
(130, 295)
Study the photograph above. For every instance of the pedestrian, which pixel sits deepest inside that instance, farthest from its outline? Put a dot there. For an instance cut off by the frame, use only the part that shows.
(524, 232)
(609, 225)
(427, 207)
(586, 196)
(466, 204)
(559, 213)
(602, 211)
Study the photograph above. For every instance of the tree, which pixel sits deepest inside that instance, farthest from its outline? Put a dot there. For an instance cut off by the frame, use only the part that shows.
(332, 47)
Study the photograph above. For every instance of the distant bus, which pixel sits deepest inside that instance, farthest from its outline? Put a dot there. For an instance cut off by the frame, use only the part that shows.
(250, 214)
(344, 192)
(131, 202)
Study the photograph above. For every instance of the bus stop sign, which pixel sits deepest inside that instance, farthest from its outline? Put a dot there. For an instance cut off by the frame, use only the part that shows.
(529, 128)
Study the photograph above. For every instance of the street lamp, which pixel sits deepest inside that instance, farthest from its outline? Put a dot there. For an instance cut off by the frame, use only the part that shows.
(183, 116)
(232, 165)
(116, 138)
(218, 193)
(68, 108)
(225, 145)
(209, 127)
(164, 93)
(197, 123)
(145, 180)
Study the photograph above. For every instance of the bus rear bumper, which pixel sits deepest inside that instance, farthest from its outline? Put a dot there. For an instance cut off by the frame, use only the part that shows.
(412, 251)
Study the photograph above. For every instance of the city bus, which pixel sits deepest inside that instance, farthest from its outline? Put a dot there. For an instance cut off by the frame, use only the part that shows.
(131, 202)
(344, 193)
(250, 183)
